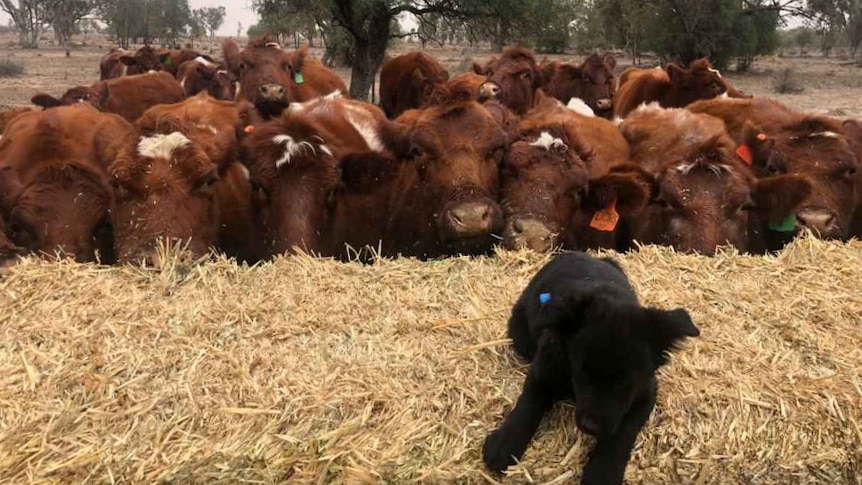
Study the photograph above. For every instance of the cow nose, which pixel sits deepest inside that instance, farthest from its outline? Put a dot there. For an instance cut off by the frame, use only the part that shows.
(588, 425)
(489, 90)
(604, 103)
(529, 234)
(470, 218)
(272, 92)
(818, 220)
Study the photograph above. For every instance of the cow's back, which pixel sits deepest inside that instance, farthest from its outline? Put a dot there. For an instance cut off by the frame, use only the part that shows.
(398, 91)
(317, 80)
(639, 86)
(131, 96)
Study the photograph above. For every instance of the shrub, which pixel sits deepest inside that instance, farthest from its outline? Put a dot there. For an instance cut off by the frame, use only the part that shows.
(11, 68)
(786, 81)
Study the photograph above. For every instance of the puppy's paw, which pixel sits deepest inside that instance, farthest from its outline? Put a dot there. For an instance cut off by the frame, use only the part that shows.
(500, 452)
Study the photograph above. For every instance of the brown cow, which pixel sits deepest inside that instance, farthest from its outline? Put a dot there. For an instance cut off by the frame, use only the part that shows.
(8, 114)
(54, 187)
(179, 180)
(147, 59)
(324, 173)
(127, 96)
(445, 199)
(272, 78)
(200, 75)
(593, 82)
(782, 141)
(672, 87)
(546, 204)
(704, 195)
(407, 82)
(515, 80)
(111, 66)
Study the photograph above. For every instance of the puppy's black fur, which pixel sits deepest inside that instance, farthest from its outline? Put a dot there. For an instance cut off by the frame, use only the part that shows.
(591, 340)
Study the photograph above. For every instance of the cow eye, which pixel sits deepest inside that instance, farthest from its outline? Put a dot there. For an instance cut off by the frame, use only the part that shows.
(525, 75)
(773, 169)
(120, 190)
(208, 183)
(416, 151)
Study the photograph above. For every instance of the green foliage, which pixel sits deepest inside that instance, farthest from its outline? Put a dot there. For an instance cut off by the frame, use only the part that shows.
(167, 20)
(210, 18)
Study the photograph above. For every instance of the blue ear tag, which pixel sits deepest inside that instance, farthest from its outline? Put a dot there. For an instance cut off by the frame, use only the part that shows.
(544, 298)
(298, 78)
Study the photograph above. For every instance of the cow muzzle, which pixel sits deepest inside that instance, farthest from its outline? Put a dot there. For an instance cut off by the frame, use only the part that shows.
(528, 233)
(822, 222)
(471, 219)
(489, 90)
(272, 93)
(604, 103)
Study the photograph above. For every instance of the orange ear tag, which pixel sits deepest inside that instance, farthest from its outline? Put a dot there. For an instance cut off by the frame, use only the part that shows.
(744, 152)
(607, 218)
(248, 129)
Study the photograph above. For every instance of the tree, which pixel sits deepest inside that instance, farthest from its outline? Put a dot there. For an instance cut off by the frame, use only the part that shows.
(125, 19)
(28, 16)
(64, 15)
(211, 17)
(842, 15)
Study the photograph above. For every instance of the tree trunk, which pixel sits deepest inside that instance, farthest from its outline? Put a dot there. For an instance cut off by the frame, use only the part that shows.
(370, 51)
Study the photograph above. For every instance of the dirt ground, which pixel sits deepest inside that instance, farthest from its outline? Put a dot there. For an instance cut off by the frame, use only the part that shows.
(832, 86)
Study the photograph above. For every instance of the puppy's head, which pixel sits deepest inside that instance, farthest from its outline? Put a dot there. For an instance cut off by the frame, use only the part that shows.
(614, 348)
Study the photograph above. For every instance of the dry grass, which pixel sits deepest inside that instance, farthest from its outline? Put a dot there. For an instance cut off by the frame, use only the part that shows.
(311, 371)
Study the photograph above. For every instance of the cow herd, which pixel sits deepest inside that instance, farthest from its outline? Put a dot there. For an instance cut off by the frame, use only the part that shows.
(263, 153)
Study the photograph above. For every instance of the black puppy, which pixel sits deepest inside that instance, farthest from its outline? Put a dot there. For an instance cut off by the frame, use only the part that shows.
(588, 338)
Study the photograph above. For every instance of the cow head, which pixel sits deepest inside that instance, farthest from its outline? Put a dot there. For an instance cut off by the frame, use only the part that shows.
(513, 79)
(203, 75)
(62, 209)
(145, 59)
(165, 185)
(456, 150)
(593, 82)
(703, 194)
(700, 81)
(543, 178)
(263, 70)
(818, 149)
(94, 95)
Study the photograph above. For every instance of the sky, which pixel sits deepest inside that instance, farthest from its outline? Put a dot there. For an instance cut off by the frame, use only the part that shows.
(237, 11)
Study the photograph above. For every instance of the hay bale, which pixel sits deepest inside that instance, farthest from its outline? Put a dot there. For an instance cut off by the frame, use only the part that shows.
(312, 371)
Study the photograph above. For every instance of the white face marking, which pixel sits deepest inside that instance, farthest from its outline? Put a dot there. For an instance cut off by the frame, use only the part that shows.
(161, 146)
(222, 71)
(291, 148)
(202, 60)
(363, 124)
(546, 141)
(724, 95)
(274, 45)
(245, 172)
(715, 71)
(580, 107)
(212, 129)
(685, 168)
(183, 83)
(325, 149)
(824, 134)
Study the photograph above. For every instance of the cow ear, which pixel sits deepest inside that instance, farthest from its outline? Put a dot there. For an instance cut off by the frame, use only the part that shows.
(610, 61)
(45, 100)
(677, 75)
(364, 172)
(417, 76)
(853, 132)
(128, 60)
(632, 188)
(777, 197)
(759, 146)
(479, 69)
(443, 76)
(397, 135)
(230, 51)
(665, 329)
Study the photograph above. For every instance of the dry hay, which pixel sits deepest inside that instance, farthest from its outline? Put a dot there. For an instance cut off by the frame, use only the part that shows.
(312, 371)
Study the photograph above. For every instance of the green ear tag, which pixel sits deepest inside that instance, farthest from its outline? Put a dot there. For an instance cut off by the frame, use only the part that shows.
(787, 225)
(168, 61)
(298, 78)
